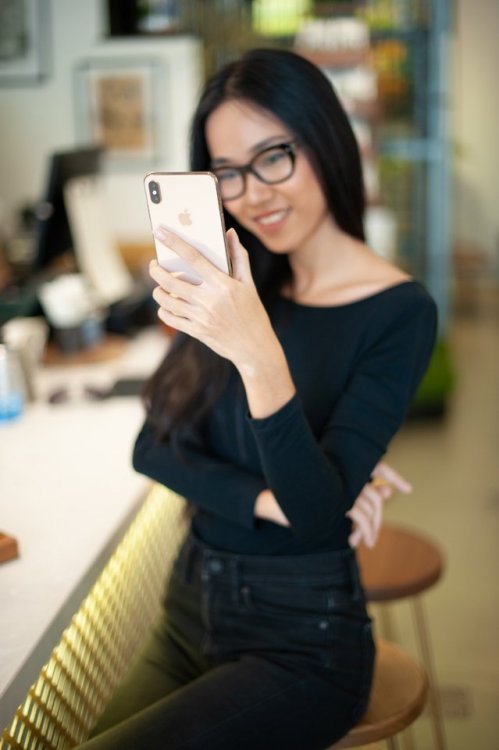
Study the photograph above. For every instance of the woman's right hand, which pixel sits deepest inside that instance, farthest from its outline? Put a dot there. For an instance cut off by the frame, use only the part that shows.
(367, 511)
(226, 314)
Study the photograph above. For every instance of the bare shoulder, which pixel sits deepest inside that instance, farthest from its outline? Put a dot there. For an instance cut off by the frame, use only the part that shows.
(368, 274)
(382, 273)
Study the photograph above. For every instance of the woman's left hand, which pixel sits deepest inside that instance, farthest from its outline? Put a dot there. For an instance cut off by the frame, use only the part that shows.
(367, 511)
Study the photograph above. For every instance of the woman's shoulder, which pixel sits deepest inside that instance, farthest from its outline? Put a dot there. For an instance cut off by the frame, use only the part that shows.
(379, 283)
(404, 313)
(364, 283)
(371, 276)
(357, 274)
(393, 295)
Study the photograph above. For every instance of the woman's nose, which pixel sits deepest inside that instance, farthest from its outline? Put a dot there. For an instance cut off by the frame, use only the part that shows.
(256, 190)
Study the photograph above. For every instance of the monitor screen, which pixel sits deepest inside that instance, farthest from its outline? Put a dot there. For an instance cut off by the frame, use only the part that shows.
(53, 234)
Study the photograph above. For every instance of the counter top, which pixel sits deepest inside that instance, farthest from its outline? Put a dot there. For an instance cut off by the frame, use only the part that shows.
(67, 493)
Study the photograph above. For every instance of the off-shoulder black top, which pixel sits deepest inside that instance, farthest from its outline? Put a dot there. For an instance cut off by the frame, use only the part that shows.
(356, 367)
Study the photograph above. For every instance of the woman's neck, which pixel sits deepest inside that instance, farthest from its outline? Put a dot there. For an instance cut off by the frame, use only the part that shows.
(327, 261)
(337, 270)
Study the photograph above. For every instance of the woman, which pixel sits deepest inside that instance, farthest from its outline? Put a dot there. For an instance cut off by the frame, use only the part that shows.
(270, 414)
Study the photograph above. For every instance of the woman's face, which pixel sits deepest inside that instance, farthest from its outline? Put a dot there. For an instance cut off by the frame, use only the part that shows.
(287, 216)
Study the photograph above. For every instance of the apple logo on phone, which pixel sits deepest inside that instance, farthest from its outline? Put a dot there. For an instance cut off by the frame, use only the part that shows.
(185, 218)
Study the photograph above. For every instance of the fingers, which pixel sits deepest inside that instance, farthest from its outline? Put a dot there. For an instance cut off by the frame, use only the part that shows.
(171, 282)
(187, 252)
(355, 538)
(367, 514)
(239, 257)
(173, 296)
(367, 511)
(363, 528)
(171, 303)
(174, 321)
(382, 471)
(372, 502)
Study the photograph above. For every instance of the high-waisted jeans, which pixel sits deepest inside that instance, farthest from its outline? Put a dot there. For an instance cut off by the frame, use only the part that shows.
(251, 653)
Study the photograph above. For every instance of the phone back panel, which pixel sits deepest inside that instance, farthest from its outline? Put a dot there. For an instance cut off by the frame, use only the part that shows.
(189, 205)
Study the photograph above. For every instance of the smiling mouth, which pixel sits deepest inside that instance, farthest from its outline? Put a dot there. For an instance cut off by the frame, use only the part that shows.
(271, 219)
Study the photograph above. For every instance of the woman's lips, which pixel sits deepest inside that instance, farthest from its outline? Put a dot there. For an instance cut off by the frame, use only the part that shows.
(272, 219)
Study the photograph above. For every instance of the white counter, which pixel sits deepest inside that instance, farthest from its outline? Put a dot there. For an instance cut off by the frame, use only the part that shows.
(67, 493)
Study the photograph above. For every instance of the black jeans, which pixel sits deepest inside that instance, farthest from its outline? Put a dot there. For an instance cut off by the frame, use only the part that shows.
(251, 653)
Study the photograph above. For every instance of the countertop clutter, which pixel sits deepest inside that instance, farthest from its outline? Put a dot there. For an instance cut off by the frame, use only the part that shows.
(9, 549)
(67, 493)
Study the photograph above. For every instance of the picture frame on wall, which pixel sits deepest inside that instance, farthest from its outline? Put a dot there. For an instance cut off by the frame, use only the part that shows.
(115, 107)
(24, 42)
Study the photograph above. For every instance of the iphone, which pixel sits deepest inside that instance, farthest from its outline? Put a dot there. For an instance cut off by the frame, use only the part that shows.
(189, 204)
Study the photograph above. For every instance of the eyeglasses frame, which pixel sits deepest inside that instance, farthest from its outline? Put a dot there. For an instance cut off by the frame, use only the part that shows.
(288, 146)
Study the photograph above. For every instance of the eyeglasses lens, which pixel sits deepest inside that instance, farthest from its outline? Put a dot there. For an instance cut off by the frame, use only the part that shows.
(231, 183)
(274, 165)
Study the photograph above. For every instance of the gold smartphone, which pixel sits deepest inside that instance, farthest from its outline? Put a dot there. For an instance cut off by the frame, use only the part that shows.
(189, 204)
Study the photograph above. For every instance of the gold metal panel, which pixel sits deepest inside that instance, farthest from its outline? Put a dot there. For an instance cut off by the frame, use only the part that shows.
(92, 656)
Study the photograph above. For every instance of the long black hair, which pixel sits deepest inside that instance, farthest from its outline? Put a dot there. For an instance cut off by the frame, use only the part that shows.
(191, 377)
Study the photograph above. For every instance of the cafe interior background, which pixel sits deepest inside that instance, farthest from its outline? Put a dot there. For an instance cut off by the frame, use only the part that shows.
(419, 81)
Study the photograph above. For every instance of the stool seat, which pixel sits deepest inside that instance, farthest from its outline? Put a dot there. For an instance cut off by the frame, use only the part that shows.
(405, 563)
(402, 563)
(398, 697)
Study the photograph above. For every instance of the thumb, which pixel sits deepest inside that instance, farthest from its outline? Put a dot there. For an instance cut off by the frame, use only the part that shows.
(239, 257)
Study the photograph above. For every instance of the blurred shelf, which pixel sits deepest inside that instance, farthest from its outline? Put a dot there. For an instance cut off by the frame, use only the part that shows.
(344, 58)
(369, 109)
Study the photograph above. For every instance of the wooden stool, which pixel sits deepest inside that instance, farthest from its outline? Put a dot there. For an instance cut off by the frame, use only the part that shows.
(404, 564)
(398, 696)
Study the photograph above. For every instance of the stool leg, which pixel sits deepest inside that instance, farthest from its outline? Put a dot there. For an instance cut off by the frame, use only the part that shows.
(407, 738)
(392, 743)
(426, 656)
(384, 616)
(389, 631)
(388, 628)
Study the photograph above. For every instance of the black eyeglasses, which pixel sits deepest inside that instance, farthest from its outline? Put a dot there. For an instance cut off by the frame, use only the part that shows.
(272, 165)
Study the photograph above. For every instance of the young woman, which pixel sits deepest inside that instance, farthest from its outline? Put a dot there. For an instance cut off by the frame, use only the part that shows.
(270, 414)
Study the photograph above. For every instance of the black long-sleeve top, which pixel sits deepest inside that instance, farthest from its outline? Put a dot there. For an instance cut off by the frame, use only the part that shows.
(355, 367)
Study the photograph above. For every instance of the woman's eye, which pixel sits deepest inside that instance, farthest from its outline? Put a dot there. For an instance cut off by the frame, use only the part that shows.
(273, 157)
(227, 175)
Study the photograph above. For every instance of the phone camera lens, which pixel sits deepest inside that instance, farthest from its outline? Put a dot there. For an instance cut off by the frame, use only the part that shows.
(154, 192)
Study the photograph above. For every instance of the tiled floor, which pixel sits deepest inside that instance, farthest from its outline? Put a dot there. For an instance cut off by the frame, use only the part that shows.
(453, 464)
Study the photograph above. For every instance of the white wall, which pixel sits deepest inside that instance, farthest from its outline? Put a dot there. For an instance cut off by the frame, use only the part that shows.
(37, 120)
(475, 124)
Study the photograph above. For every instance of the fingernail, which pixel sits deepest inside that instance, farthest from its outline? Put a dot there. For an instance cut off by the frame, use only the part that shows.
(161, 234)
